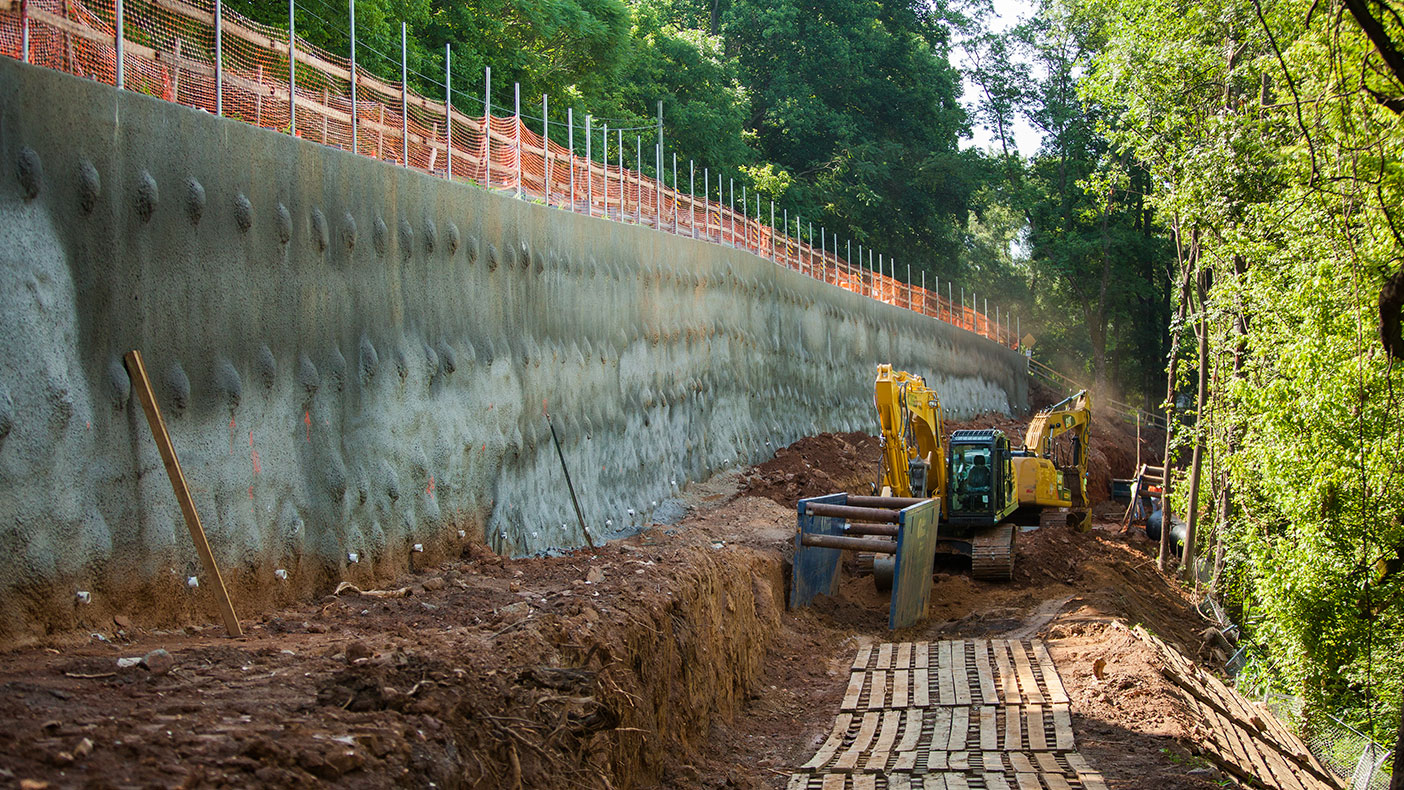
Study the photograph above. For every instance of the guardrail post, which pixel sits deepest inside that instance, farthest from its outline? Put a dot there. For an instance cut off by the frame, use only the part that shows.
(355, 121)
(292, 70)
(118, 11)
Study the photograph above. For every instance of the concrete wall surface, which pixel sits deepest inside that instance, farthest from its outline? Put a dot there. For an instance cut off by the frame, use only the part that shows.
(353, 357)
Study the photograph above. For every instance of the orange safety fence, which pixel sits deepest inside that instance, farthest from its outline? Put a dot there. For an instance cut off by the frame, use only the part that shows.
(169, 51)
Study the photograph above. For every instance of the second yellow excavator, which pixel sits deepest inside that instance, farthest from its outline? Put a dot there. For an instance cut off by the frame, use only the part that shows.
(1049, 474)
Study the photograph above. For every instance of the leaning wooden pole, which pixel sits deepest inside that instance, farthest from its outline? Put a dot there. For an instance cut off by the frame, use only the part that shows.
(137, 370)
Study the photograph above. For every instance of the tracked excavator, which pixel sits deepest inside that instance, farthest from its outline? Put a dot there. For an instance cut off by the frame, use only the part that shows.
(973, 475)
(1051, 475)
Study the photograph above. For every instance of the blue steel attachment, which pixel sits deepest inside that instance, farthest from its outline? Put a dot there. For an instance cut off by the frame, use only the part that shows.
(827, 525)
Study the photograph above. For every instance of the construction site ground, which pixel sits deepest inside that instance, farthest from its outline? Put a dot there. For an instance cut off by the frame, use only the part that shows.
(668, 659)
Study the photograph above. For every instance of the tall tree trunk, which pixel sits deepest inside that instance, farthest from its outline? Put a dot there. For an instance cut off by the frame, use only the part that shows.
(1200, 401)
(1186, 269)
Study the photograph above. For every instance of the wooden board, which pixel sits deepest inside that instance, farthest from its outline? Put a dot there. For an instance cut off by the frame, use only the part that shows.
(136, 368)
(981, 714)
(1248, 742)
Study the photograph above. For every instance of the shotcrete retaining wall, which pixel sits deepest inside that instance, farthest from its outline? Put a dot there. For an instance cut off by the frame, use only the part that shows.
(353, 359)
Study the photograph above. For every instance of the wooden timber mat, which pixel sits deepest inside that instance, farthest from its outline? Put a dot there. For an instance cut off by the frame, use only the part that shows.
(977, 714)
(1244, 739)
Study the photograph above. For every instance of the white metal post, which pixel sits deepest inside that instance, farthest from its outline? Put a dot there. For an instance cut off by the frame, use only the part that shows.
(707, 202)
(923, 292)
(517, 131)
(745, 224)
(121, 68)
(675, 191)
(623, 177)
(570, 144)
(658, 171)
(589, 172)
(692, 195)
(219, 58)
(351, 4)
(546, 142)
(638, 179)
(448, 112)
(404, 95)
(487, 125)
(292, 70)
(604, 156)
(909, 286)
(787, 238)
(731, 207)
(772, 231)
(24, 31)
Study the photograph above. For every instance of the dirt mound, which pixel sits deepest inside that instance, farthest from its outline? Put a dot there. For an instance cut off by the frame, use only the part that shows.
(814, 466)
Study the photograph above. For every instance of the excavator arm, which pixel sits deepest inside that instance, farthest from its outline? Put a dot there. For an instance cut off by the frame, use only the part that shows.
(910, 420)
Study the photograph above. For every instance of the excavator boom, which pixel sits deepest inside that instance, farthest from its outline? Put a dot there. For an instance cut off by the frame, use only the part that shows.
(911, 425)
(1048, 481)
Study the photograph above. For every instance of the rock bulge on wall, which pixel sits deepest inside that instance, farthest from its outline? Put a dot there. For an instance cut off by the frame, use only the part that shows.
(353, 358)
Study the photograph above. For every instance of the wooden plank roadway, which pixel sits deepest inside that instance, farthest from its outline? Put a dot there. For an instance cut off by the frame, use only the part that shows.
(971, 714)
(1248, 742)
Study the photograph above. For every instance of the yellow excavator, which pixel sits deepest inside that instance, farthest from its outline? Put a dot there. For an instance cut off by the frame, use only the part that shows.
(1051, 475)
(973, 476)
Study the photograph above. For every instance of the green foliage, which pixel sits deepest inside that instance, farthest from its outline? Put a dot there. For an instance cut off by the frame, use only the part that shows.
(1280, 174)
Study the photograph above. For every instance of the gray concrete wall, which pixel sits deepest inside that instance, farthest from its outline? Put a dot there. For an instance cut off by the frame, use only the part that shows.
(353, 358)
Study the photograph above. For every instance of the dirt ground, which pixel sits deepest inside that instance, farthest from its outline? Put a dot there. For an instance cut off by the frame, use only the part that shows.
(666, 660)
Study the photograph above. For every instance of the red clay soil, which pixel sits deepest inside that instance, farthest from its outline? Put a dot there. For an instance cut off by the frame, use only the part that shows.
(667, 660)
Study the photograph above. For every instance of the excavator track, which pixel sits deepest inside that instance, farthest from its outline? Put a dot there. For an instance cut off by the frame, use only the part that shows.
(992, 553)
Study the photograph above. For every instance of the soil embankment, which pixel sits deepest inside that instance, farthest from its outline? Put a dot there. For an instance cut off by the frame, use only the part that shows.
(666, 660)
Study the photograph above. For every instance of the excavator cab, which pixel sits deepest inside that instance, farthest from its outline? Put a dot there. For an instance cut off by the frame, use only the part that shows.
(981, 480)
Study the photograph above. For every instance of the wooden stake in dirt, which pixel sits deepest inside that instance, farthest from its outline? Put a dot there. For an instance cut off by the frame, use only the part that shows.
(137, 370)
(569, 485)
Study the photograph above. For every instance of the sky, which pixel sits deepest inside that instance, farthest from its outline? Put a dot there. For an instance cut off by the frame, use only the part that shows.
(1025, 137)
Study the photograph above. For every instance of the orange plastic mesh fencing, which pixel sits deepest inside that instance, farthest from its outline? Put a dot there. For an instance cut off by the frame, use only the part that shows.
(169, 51)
